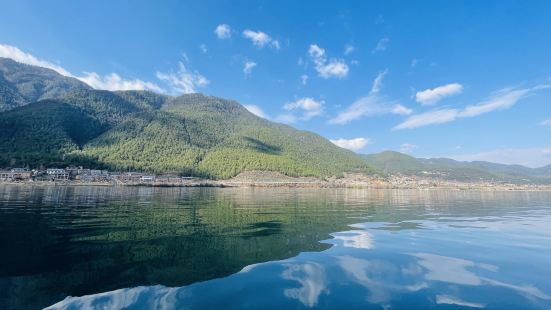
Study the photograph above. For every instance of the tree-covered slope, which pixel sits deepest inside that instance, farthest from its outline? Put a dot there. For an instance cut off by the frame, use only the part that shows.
(140, 130)
(22, 84)
(217, 138)
(42, 133)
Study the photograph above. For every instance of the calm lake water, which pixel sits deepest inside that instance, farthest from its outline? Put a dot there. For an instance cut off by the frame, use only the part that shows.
(207, 248)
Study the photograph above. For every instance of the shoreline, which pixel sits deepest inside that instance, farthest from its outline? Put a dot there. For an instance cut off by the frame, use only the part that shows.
(305, 185)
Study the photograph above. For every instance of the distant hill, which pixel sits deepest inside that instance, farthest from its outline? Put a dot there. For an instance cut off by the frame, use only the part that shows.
(192, 134)
(21, 84)
(445, 168)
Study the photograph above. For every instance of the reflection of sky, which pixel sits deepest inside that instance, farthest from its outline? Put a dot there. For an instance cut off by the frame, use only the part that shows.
(476, 262)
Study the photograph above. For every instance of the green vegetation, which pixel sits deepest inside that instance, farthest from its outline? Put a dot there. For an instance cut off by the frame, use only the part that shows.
(137, 130)
(22, 84)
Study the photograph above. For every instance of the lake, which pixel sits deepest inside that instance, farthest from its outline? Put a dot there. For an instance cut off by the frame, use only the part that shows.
(234, 248)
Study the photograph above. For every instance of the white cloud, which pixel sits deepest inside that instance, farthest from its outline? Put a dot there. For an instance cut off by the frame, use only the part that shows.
(260, 39)
(370, 105)
(223, 31)
(381, 45)
(111, 81)
(315, 51)
(327, 68)
(248, 67)
(183, 81)
(304, 79)
(428, 118)
(114, 82)
(351, 144)
(501, 100)
(256, 110)
(530, 157)
(407, 147)
(432, 96)
(307, 106)
(18, 55)
(203, 48)
(348, 49)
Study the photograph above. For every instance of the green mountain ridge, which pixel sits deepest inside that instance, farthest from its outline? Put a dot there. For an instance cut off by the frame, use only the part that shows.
(191, 134)
(47, 119)
(21, 84)
(445, 168)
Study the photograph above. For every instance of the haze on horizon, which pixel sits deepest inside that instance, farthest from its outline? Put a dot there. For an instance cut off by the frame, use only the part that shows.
(470, 81)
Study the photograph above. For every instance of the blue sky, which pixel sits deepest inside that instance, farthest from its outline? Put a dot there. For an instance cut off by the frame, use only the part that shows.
(463, 79)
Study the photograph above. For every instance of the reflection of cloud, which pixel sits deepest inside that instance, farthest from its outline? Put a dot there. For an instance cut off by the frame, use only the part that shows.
(450, 300)
(377, 276)
(448, 269)
(359, 239)
(453, 270)
(155, 297)
(527, 290)
(311, 277)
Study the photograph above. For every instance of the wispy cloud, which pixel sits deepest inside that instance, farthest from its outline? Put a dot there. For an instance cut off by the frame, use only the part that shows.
(111, 81)
(500, 100)
(348, 49)
(428, 118)
(223, 31)
(381, 45)
(256, 110)
(183, 81)
(370, 105)
(355, 144)
(18, 55)
(327, 68)
(432, 96)
(260, 39)
(248, 67)
(114, 82)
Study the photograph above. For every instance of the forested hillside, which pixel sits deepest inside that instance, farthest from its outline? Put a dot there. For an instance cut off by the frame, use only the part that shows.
(192, 134)
(22, 84)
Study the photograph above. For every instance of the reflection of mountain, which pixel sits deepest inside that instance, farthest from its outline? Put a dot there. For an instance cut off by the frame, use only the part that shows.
(104, 239)
(347, 277)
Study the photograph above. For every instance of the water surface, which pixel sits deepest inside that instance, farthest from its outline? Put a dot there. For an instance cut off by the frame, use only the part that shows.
(205, 248)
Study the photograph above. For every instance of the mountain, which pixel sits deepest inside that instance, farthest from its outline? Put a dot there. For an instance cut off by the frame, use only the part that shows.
(445, 168)
(21, 84)
(192, 134)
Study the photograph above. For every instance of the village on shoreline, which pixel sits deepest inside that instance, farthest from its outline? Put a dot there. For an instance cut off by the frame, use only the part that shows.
(92, 177)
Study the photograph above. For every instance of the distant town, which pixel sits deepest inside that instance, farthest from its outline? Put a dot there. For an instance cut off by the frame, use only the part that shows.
(83, 175)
